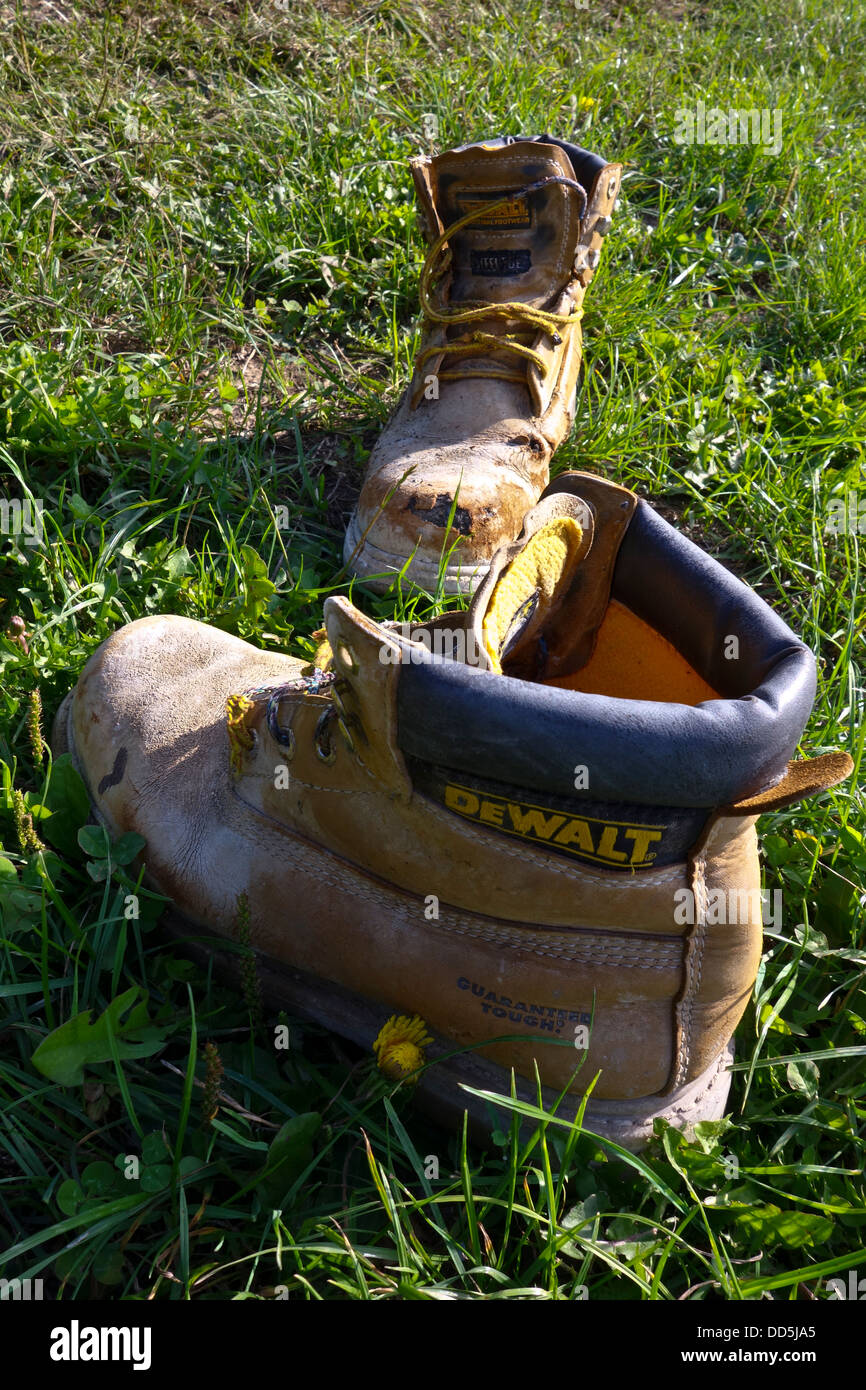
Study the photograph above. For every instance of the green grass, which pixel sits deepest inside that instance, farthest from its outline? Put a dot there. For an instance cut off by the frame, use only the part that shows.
(209, 268)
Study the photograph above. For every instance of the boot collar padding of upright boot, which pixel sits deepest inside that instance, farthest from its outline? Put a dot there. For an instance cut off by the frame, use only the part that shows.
(647, 752)
(534, 239)
(587, 167)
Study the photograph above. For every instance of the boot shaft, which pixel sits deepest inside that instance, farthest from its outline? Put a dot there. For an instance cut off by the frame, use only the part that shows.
(514, 229)
(509, 222)
(540, 209)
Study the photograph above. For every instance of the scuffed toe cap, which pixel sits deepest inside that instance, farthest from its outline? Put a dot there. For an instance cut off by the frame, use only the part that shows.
(146, 721)
(406, 506)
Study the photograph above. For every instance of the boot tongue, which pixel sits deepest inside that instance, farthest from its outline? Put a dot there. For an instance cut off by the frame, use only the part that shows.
(537, 613)
(535, 616)
(527, 585)
(531, 589)
(523, 250)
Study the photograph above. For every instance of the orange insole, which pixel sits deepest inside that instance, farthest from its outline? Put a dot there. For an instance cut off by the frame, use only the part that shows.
(634, 662)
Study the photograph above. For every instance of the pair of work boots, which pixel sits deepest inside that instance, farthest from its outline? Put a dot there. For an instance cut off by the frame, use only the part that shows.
(520, 837)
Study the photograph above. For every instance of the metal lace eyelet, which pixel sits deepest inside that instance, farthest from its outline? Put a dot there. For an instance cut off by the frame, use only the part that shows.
(283, 736)
(325, 749)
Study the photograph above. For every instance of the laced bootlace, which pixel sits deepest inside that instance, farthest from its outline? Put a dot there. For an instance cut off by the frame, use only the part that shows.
(470, 310)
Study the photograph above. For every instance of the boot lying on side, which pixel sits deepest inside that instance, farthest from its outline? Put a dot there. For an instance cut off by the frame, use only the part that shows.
(514, 228)
(532, 819)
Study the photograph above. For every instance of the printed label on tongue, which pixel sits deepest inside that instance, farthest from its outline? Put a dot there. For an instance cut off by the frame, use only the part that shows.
(500, 263)
(511, 215)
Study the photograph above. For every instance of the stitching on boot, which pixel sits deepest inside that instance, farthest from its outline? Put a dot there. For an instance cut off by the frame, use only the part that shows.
(586, 956)
(654, 880)
(332, 791)
(628, 955)
(657, 878)
(694, 965)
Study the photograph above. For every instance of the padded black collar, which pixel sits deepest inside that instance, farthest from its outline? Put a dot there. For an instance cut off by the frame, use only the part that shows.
(638, 751)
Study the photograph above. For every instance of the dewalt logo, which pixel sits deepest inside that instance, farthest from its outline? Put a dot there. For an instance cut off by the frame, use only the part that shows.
(513, 215)
(614, 844)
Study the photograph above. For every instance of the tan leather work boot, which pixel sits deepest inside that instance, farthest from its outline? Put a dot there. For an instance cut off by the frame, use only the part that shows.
(514, 228)
(534, 819)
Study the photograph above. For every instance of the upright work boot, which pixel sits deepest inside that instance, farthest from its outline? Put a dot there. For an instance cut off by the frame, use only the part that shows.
(514, 228)
(534, 819)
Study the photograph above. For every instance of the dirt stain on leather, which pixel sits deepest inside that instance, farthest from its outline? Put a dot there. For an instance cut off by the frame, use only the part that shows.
(439, 512)
(112, 778)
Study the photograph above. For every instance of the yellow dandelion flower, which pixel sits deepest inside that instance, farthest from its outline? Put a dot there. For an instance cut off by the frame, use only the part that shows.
(808, 840)
(400, 1047)
(238, 711)
(322, 656)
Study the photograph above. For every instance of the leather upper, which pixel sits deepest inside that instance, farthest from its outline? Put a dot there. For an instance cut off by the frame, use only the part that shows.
(479, 422)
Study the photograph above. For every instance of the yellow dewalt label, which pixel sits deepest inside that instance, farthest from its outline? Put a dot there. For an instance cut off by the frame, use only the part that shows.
(514, 213)
(619, 844)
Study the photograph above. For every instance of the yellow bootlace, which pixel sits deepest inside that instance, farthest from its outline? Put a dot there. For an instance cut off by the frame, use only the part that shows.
(542, 320)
